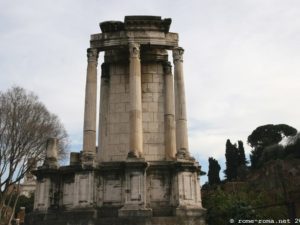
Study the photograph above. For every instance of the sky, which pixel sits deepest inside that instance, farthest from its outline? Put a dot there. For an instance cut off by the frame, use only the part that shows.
(241, 61)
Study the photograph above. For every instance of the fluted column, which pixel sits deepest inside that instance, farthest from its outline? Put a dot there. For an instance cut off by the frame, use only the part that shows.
(135, 98)
(170, 134)
(103, 112)
(89, 133)
(180, 105)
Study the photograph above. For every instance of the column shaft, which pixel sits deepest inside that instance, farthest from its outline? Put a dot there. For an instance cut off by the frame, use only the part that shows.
(170, 134)
(89, 133)
(180, 105)
(103, 112)
(135, 98)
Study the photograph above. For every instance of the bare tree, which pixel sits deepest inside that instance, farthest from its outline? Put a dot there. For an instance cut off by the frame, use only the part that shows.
(25, 126)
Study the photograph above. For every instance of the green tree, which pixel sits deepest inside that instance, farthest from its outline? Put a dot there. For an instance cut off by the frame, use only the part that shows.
(241, 154)
(242, 203)
(293, 146)
(242, 169)
(26, 202)
(272, 152)
(223, 206)
(231, 155)
(213, 171)
(264, 136)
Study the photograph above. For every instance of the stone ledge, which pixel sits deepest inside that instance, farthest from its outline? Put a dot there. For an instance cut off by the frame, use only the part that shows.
(134, 211)
(186, 211)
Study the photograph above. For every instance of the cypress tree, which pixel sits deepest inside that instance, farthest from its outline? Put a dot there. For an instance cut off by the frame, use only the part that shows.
(241, 154)
(231, 155)
(213, 171)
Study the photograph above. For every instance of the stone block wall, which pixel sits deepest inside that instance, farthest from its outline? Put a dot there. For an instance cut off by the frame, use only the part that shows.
(153, 111)
(84, 189)
(159, 192)
(42, 194)
(68, 192)
(110, 190)
(188, 189)
(115, 145)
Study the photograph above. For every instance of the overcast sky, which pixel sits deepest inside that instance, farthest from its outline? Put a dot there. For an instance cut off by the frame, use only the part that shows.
(241, 62)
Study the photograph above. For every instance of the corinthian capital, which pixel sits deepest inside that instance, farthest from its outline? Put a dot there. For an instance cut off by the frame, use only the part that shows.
(134, 50)
(167, 67)
(178, 54)
(92, 54)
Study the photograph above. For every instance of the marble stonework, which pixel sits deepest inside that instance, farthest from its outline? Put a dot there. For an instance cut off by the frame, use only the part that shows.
(141, 172)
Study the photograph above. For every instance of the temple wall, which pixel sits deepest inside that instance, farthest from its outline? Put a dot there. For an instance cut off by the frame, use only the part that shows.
(153, 111)
(83, 190)
(42, 194)
(112, 190)
(188, 189)
(159, 192)
(68, 192)
(115, 143)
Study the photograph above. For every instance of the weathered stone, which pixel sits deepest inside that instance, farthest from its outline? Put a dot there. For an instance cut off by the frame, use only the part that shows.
(75, 158)
(51, 154)
(143, 173)
(180, 105)
(135, 113)
(169, 116)
(89, 136)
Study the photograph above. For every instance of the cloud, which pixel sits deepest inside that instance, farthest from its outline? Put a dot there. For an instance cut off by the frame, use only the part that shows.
(241, 60)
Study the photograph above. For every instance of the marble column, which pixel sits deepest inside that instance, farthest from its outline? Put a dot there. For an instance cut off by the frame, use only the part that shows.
(135, 98)
(180, 105)
(103, 111)
(89, 133)
(170, 133)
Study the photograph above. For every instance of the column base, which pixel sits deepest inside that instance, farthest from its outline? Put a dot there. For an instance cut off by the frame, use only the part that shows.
(184, 154)
(88, 159)
(132, 155)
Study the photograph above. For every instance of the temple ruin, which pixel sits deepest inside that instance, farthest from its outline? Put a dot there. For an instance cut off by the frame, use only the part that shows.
(141, 172)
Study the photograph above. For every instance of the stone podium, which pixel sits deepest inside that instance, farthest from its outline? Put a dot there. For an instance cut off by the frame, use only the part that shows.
(141, 172)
